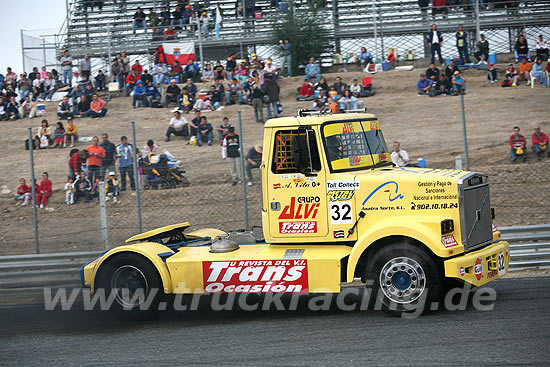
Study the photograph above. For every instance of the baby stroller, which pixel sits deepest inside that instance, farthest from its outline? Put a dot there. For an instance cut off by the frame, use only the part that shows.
(163, 171)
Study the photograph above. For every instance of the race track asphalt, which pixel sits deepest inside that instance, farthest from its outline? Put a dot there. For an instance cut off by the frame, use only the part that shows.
(515, 333)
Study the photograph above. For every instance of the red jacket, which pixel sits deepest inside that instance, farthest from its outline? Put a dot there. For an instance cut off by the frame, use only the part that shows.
(45, 187)
(517, 142)
(24, 189)
(306, 90)
(75, 162)
(132, 79)
(541, 139)
(137, 68)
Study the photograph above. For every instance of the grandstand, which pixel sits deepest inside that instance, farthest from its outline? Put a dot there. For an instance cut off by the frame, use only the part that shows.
(376, 24)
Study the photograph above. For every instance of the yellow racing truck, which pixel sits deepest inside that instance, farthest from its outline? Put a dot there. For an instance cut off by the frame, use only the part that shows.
(334, 209)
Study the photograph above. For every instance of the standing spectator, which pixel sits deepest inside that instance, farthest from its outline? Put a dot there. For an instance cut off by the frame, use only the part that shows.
(97, 153)
(65, 108)
(258, 103)
(522, 49)
(524, 72)
(172, 93)
(542, 49)
(204, 130)
(399, 157)
(271, 89)
(423, 85)
(286, 53)
(71, 133)
(253, 161)
(424, 5)
(140, 94)
(11, 78)
(459, 83)
(482, 50)
(305, 92)
(76, 161)
(58, 135)
(151, 147)
(313, 70)
(365, 57)
(100, 81)
(124, 154)
(69, 191)
(117, 73)
(97, 107)
(540, 143)
(137, 67)
(82, 188)
(44, 73)
(85, 66)
(539, 73)
(27, 108)
(435, 40)
(131, 81)
(178, 125)
(223, 129)
(24, 192)
(218, 19)
(107, 163)
(44, 191)
(231, 152)
(432, 73)
(517, 146)
(462, 44)
(492, 73)
(139, 20)
(124, 60)
(67, 67)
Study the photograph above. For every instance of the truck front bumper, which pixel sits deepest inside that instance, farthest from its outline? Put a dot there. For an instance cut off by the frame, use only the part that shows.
(482, 266)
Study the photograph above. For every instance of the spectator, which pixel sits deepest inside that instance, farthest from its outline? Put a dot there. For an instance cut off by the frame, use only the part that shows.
(432, 72)
(151, 147)
(321, 102)
(139, 20)
(423, 85)
(347, 101)
(124, 154)
(117, 73)
(159, 75)
(450, 70)
(76, 95)
(76, 161)
(440, 6)
(539, 73)
(153, 95)
(204, 130)
(204, 22)
(85, 66)
(207, 74)
(223, 129)
(322, 84)
(233, 89)
(34, 74)
(50, 87)
(522, 49)
(540, 143)
(71, 133)
(125, 62)
(158, 35)
(11, 78)
(524, 72)
(231, 152)
(241, 73)
(97, 107)
(272, 89)
(83, 107)
(313, 70)
(542, 49)
(25, 86)
(131, 81)
(172, 93)
(27, 108)
(137, 68)
(37, 89)
(340, 86)
(3, 115)
(58, 135)
(305, 92)
(178, 125)
(111, 187)
(435, 40)
(459, 83)
(69, 191)
(89, 91)
(191, 88)
(492, 73)
(400, 157)
(177, 70)
(153, 18)
(482, 50)
(140, 95)
(44, 73)
(462, 44)
(24, 192)
(65, 108)
(517, 145)
(100, 81)
(253, 161)
(82, 188)
(258, 103)
(187, 14)
(270, 71)
(442, 86)
(365, 57)
(424, 5)
(219, 72)
(67, 67)
(191, 70)
(12, 109)
(510, 74)
(96, 154)
(195, 122)
(177, 19)
(186, 102)
(165, 16)
(170, 34)
(107, 163)
(286, 53)
(44, 191)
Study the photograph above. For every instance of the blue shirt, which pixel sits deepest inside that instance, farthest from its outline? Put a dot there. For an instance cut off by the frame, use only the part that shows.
(423, 84)
(125, 153)
(313, 69)
(140, 91)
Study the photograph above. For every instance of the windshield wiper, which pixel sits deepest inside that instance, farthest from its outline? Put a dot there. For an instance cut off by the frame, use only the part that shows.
(382, 164)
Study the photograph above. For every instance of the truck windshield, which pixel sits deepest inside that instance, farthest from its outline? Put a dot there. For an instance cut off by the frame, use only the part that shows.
(354, 145)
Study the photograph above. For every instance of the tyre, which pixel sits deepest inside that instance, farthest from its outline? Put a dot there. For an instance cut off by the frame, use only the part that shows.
(404, 278)
(133, 285)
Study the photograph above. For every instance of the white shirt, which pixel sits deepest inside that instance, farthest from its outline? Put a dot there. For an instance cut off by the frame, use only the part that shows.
(542, 45)
(178, 124)
(270, 68)
(435, 38)
(400, 161)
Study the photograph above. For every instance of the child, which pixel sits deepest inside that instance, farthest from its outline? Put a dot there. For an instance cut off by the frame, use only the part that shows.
(111, 187)
(59, 136)
(492, 73)
(69, 194)
(24, 192)
(332, 92)
(95, 189)
(44, 191)
(510, 73)
(81, 188)
(186, 101)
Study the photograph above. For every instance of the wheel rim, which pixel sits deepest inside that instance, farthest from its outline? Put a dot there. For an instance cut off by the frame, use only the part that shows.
(402, 280)
(125, 283)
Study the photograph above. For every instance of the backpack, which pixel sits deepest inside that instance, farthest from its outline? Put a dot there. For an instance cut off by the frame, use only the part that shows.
(156, 104)
(27, 145)
(507, 83)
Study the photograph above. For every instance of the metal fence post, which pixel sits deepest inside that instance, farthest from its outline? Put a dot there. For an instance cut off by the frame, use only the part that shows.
(466, 159)
(103, 214)
(33, 187)
(243, 161)
(136, 176)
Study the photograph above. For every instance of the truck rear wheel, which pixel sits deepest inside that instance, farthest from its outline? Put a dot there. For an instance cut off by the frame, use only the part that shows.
(404, 278)
(133, 285)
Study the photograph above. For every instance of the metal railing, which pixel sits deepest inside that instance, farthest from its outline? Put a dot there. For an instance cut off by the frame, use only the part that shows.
(530, 248)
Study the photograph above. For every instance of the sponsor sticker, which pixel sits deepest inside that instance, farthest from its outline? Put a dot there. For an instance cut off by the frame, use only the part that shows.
(311, 178)
(285, 176)
(276, 186)
(449, 241)
(461, 271)
(255, 276)
(492, 274)
(300, 210)
(338, 234)
(341, 212)
(478, 269)
(340, 195)
(343, 185)
(297, 227)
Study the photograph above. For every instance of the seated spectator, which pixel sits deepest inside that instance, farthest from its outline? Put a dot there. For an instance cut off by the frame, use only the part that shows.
(355, 88)
(248, 87)
(38, 89)
(191, 88)
(542, 49)
(89, 91)
(100, 81)
(365, 57)
(203, 104)
(432, 72)
(131, 81)
(539, 73)
(153, 18)
(191, 70)
(75, 94)
(482, 53)
(241, 73)
(216, 98)
(24, 192)
(332, 93)
(65, 108)
(524, 72)
(27, 108)
(139, 20)
(540, 143)
(111, 187)
(97, 107)
(151, 147)
(313, 70)
(71, 133)
(172, 93)
(492, 73)
(69, 194)
(178, 126)
(81, 188)
(517, 146)
(83, 107)
(510, 75)
(186, 101)
(24, 85)
(219, 72)
(76, 161)
(94, 192)
(233, 89)
(58, 136)
(137, 67)
(158, 35)
(3, 115)
(146, 77)
(253, 161)
(165, 16)
(153, 94)
(400, 157)
(442, 87)
(305, 92)
(322, 84)
(423, 85)
(459, 83)
(140, 94)
(347, 101)
(207, 74)
(177, 70)
(159, 74)
(258, 103)
(450, 70)
(321, 102)
(340, 86)
(12, 109)
(204, 130)
(223, 129)
(44, 191)
(270, 71)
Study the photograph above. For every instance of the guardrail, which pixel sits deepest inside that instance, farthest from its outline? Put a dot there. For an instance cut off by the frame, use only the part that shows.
(529, 245)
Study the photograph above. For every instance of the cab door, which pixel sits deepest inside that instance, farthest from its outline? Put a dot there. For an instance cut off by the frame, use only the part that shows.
(296, 188)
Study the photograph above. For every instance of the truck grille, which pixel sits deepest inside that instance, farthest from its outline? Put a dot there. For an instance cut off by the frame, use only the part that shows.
(475, 211)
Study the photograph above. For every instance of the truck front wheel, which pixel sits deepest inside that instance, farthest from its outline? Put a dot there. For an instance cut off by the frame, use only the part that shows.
(404, 278)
